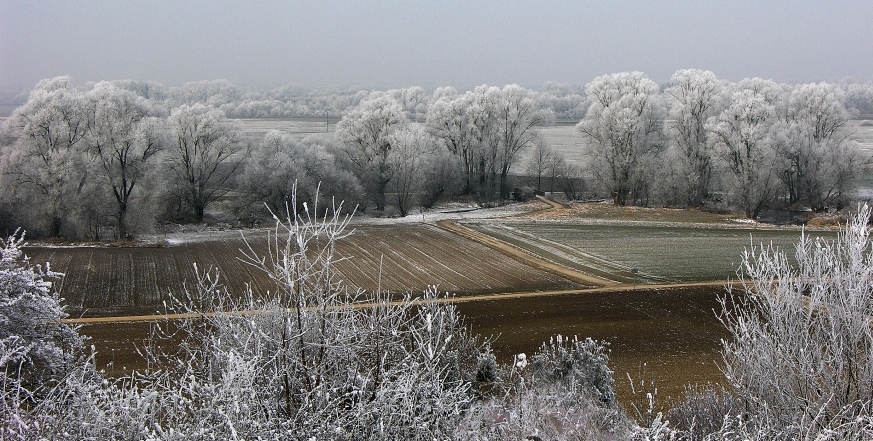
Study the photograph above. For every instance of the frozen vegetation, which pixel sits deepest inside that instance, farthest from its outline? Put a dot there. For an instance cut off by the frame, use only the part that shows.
(115, 160)
(315, 360)
(318, 359)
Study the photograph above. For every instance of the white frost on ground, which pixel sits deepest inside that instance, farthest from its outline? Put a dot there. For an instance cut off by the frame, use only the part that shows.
(194, 234)
(453, 211)
(744, 221)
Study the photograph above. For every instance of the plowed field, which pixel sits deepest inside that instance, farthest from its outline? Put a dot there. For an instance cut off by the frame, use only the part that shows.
(102, 281)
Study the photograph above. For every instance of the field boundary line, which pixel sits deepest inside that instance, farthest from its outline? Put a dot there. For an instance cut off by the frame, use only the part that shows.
(524, 256)
(554, 204)
(618, 287)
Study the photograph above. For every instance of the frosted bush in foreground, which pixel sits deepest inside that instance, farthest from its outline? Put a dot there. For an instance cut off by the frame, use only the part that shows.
(564, 392)
(801, 356)
(36, 350)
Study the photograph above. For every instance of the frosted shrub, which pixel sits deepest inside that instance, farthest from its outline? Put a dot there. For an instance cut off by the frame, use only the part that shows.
(801, 356)
(36, 350)
(702, 410)
(38, 346)
(580, 366)
(563, 392)
(314, 359)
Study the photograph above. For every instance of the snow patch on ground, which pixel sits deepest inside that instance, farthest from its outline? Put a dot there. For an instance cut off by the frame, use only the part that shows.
(453, 212)
(457, 211)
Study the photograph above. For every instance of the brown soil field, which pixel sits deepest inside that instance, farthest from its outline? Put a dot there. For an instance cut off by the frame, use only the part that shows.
(667, 335)
(109, 281)
(415, 256)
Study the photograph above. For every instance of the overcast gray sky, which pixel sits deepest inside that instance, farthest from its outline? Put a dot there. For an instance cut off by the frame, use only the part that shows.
(404, 43)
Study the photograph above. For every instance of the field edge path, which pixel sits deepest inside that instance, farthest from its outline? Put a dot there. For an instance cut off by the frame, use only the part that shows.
(623, 287)
(524, 256)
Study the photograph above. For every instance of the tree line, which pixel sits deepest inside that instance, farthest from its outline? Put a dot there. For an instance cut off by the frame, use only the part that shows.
(112, 159)
(705, 142)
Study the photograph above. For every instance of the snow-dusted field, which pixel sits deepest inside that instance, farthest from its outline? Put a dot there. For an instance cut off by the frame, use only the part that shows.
(659, 253)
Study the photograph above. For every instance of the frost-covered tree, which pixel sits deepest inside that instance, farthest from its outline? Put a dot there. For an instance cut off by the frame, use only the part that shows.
(442, 175)
(449, 122)
(801, 352)
(485, 129)
(150, 90)
(694, 96)
(570, 178)
(206, 150)
(771, 92)
(124, 135)
(859, 98)
(624, 134)
(45, 167)
(281, 165)
(411, 157)
(541, 162)
(740, 136)
(414, 101)
(518, 122)
(366, 134)
(212, 93)
(816, 160)
(564, 100)
(481, 117)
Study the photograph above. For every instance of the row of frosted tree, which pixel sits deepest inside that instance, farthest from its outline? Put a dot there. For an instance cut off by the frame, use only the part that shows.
(301, 101)
(116, 158)
(78, 162)
(753, 144)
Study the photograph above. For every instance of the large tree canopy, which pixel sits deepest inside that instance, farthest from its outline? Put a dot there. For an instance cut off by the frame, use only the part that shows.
(366, 137)
(486, 129)
(816, 160)
(741, 136)
(46, 163)
(206, 152)
(624, 135)
(124, 136)
(694, 97)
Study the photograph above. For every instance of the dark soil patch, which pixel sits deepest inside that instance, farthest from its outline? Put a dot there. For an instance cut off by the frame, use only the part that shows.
(669, 336)
(672, 336)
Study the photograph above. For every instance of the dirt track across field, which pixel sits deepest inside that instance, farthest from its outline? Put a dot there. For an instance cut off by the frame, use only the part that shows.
(614, 287)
